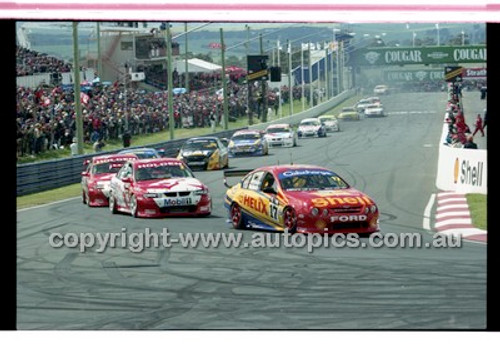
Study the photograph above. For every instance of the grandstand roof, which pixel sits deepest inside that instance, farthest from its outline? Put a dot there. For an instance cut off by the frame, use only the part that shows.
(196, 65)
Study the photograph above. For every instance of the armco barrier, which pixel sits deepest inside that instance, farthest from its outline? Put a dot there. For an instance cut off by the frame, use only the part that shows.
(461, 170)
(40, 176)
(310, 113)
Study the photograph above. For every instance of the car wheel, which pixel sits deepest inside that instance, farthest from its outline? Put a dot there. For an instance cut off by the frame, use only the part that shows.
(112, 204)
(295, 141)
(133, 206)
(290, 219)
(87, 199)
(236, 216)
(83, 198)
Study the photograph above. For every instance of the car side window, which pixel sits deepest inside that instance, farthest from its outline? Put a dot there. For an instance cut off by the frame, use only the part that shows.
(256, 180)
(269, 181)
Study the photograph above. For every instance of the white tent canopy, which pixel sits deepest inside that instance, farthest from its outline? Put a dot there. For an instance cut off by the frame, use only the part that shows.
(196, 65)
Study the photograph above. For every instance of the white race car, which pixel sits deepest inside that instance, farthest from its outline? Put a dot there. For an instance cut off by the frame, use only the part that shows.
(381, 89)
(330, 122)
(374, 110)
(280, 135)
(311, 127)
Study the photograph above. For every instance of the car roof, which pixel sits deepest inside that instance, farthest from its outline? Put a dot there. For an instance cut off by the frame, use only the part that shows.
(243, 132)
(309, 119)
(137, 150)
(277, 169)
(202, 139)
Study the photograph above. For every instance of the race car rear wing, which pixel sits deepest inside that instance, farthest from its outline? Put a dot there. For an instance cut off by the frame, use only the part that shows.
(235, 173)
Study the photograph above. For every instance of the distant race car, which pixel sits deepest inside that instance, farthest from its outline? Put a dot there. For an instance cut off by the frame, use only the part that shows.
(248, 142)
(158, 188)
(281, 135)
(206, 153)
(97, 177)
(299, 198)
(349, 113)
(362, 104)
(143, 153)
(374, 100)
(381, 89)
(374, 110)
(330, 123)
(311, 127)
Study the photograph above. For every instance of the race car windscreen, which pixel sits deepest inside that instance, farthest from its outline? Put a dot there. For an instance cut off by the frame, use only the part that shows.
(309, 123)
(302, 180)
(161, 171)
(200, 145)
(246, 136)
(278, 130)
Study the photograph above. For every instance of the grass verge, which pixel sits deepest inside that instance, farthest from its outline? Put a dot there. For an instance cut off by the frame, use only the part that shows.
(477, 207)
(48, 196)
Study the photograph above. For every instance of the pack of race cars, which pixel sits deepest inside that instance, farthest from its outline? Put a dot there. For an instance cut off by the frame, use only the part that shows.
(293, 198)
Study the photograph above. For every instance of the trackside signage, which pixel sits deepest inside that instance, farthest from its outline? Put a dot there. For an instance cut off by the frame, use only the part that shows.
(462, 170)
(414, 75)
(420, 55)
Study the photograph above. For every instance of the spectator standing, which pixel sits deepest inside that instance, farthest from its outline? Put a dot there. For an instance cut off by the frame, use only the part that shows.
(479, 125)
(98, 145)
(469, 144)
(126, 138)
(74, 147)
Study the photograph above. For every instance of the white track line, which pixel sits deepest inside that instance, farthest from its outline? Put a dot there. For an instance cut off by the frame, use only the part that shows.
(453, 214)
(427, 213)
(48, 204)
(455, 200)
(457, 207)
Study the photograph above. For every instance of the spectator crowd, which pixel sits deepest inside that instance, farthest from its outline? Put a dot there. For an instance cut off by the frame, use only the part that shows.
(46, 116)
(31, 62)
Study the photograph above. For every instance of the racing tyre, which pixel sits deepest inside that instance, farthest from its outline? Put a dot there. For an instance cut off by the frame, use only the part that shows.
(290, 219)
(87, 199)
(112, 204)
(84, 198)
(133, 206)
(236, 217)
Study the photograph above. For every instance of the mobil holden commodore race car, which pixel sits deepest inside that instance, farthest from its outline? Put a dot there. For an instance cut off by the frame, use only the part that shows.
(311, 127)
(158, 188)
(349, 113)
(248, 142)
(206, 153)
(144, 153)
(298, 198)
(330, 123)
(374, 110)
(97, 177)
(280, 135)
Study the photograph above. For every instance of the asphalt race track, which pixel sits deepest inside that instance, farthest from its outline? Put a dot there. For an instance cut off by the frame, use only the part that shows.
(392, 159)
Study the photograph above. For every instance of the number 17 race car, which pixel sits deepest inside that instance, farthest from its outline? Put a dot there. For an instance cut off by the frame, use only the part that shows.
(298, 198)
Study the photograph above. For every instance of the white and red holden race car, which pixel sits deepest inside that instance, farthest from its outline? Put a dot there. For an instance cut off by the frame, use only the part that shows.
(159, 188)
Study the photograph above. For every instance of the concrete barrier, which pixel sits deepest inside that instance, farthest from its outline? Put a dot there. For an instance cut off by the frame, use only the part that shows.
(318, 110)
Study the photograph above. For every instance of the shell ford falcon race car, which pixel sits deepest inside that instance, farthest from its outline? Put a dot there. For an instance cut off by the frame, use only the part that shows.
(158, 188)
(97, 177)
(248, 142)
(330, 123)
(206, 153)
(280, 135)
(311, 127)
(299, 198)
(349, 113)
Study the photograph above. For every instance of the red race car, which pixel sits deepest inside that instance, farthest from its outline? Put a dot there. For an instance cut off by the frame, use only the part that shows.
(300, 198)
(158, 188)
(97, 176)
